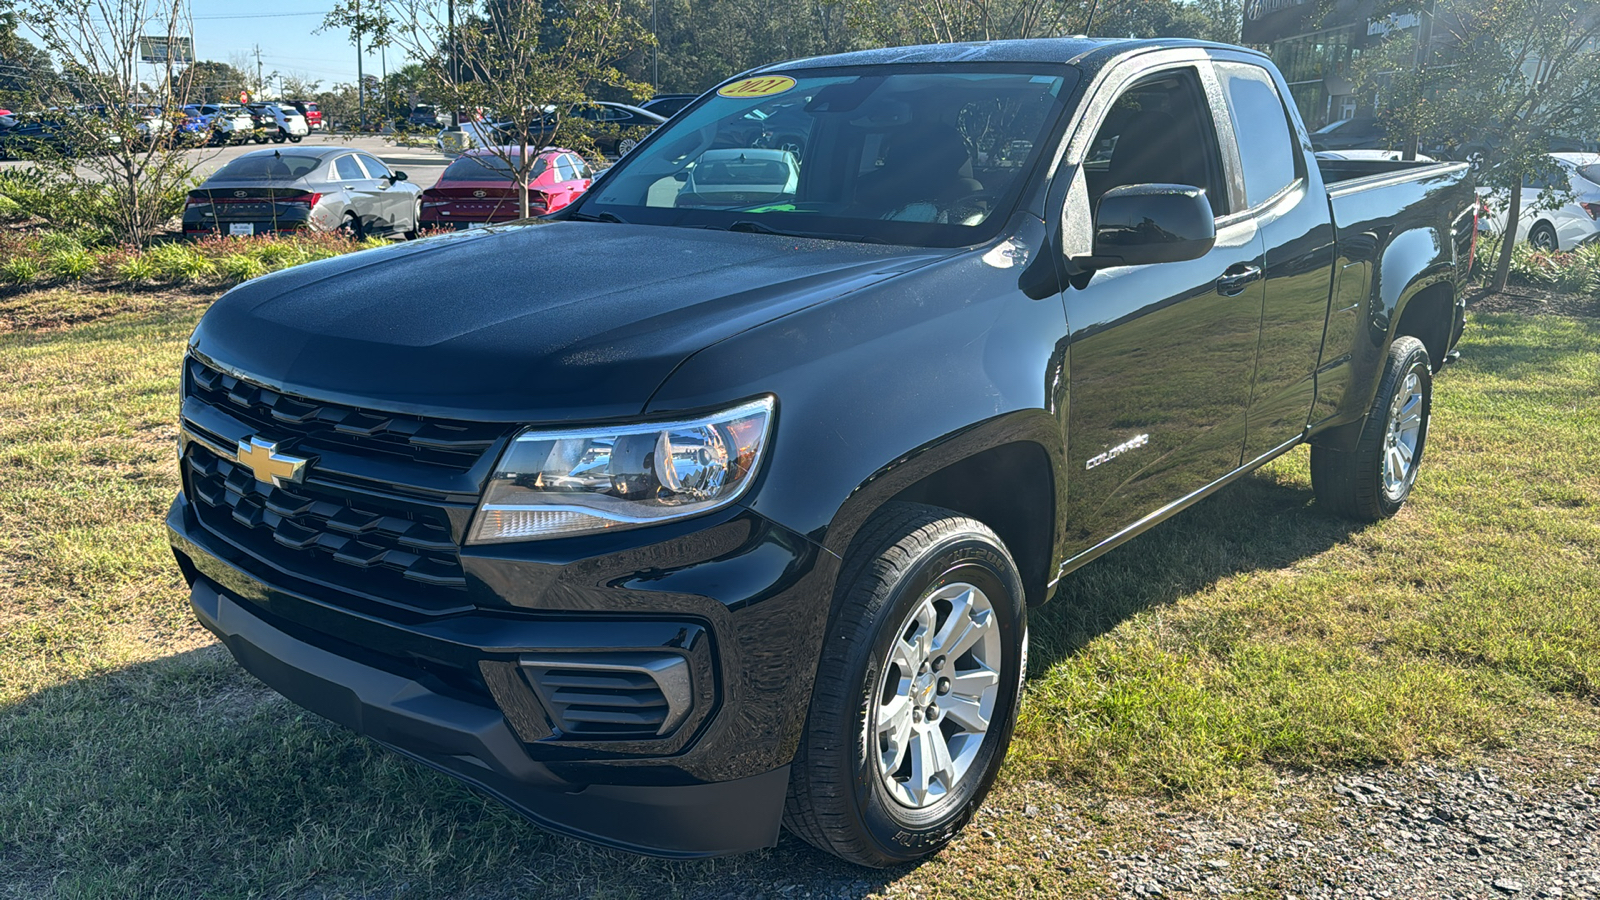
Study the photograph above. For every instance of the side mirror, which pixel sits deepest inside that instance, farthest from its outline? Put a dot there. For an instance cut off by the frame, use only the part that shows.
(1141, 224)
(681, 176)
(400, 176)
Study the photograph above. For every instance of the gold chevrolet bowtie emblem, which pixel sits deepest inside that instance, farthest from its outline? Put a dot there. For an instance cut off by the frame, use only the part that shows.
(268, 465)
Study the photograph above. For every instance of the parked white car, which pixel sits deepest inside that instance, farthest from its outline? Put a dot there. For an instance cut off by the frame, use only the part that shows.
(1387, 155)
(291, 124)
(737, 177)
(1574, 218)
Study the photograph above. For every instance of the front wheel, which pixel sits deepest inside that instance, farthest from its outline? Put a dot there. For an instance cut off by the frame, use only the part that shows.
(916, 691)
(296, 138)
(1373, 480)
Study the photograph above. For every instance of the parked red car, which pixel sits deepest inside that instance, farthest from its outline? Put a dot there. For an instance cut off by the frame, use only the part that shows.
(310, 110)
(478, 188)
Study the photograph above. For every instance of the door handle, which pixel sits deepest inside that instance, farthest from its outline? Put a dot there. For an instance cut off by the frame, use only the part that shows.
(1236, 279)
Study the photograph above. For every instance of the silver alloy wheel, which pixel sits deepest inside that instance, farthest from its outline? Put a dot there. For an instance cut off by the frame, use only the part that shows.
(936, 696)
(1543, 239)
(1400, 438)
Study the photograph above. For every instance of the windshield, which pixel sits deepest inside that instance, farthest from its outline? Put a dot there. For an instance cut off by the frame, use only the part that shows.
(265, 167)
(898, 155)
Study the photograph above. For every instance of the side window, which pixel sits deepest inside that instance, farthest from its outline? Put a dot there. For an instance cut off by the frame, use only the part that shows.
(581, 167)
(564, 169)
(374, 168)
(1266, 147)
(347, 168)
(1159, 131)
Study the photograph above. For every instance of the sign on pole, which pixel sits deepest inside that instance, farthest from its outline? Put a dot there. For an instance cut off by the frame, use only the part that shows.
(179, 50)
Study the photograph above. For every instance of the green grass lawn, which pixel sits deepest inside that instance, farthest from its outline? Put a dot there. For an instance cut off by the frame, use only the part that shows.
(1249, 634)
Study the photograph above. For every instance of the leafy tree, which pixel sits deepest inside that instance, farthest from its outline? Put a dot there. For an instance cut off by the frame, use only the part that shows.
(1497, 81)
(526, 63)
(212, 82)
(299, 85)
(107, 140)
(369, 25)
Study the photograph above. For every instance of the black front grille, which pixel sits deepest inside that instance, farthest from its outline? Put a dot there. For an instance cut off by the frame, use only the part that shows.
(329, 426)
(392, 549)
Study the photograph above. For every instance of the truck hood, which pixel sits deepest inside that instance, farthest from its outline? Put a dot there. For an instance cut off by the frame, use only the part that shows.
(537, 323)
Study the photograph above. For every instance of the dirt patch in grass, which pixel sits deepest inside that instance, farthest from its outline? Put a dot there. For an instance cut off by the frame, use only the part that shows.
(56, 308)
(1531, 301)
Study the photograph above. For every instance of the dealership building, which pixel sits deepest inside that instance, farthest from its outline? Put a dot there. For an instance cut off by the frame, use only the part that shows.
(1316, 48)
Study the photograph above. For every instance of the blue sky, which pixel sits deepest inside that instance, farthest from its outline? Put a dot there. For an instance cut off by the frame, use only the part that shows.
(283, 29)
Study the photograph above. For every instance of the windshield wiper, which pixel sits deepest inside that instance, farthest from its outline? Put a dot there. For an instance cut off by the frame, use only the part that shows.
(751, 227)
(602, 217)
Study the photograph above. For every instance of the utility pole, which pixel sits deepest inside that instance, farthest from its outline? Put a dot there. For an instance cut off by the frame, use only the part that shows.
(261, 87)
(361, 78)
(455, 78)
(655, 51)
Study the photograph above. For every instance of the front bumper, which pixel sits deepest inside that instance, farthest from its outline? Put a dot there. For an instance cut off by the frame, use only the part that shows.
(442, 688)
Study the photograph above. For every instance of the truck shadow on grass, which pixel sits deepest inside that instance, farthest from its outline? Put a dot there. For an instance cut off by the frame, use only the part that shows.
(1267, 520)
(185, 777)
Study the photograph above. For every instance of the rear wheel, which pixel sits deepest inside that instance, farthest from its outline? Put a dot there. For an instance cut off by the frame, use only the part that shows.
(1543, 238)
(916, 690)
(416, 221)
(351, 227)
(1372, 481)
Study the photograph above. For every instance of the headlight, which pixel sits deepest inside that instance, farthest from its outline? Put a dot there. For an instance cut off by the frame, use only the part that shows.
(560, 483)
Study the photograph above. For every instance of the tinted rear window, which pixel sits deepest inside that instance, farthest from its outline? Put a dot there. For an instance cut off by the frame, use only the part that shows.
(742, 171)
(1591, 172)
(487, 168)
(269, 167)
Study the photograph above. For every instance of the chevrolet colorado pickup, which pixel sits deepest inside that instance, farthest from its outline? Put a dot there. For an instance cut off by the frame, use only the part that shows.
(733, 519)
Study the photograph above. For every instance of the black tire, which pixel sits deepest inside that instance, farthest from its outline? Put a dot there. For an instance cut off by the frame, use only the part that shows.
(352, 228)
(416, 221)
(1351, 483)
(296, 138)
(280, 137)
(837, 800)
(1542, 237)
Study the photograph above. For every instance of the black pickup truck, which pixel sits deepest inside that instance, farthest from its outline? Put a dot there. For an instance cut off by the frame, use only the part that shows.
(668, 520)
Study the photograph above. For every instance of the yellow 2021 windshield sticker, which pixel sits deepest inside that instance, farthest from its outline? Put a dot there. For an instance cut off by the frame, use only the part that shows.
(761, 86)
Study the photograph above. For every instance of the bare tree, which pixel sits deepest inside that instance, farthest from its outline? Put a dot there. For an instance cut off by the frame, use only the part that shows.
(522, 65)
(115, 129)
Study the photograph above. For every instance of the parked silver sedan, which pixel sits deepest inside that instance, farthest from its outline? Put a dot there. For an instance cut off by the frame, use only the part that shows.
(321, 189)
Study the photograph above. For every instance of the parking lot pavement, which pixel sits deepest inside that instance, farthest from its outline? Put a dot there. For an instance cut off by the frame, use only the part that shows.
(422, 165)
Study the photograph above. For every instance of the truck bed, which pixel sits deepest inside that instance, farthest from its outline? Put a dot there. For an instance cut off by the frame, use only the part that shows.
(1345, 175)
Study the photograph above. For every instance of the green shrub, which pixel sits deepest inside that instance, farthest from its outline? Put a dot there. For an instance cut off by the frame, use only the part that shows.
(278, 254)
(136, 269)
(239, 267)
(1568, 273)
(10, 209)
(19, 270)
(179, 262)
(57, 241)
(71, 263)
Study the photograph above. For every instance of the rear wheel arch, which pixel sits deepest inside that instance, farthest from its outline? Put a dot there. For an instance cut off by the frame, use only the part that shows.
(1429, 316)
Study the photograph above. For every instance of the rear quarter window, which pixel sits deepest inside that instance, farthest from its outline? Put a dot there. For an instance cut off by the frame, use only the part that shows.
(1261, 125)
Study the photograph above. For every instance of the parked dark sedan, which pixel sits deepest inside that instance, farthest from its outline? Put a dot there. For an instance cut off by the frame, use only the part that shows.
(321, 189)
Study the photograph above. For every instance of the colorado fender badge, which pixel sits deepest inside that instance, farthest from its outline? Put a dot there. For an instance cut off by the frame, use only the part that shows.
(1118, 450)
(761, 86)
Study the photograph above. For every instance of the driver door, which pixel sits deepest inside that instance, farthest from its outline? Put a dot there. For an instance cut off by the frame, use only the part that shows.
(1161, 356)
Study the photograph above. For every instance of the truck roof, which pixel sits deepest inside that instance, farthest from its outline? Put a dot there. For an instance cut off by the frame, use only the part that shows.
(1061, 51)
